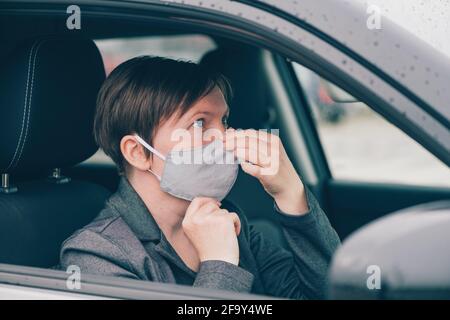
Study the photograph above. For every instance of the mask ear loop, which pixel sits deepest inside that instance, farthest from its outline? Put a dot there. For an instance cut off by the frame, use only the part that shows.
(153, 150)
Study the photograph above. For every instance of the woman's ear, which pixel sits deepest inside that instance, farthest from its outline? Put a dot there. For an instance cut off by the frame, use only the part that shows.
(134, 153)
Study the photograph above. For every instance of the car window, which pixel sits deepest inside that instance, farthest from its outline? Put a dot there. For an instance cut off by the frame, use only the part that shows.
(360, 145)
(115, 51)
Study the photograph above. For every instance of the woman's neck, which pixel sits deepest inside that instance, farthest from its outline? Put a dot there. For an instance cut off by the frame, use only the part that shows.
(167, 210)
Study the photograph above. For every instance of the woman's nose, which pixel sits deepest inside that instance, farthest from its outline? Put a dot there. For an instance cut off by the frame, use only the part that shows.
(222, 129)
(217, 133)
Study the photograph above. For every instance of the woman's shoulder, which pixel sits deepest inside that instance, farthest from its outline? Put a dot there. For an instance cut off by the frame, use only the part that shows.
(108, 237)
(107, 227)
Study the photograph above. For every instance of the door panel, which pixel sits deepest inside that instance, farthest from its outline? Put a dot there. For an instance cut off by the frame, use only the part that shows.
(351, 205)
(36, 283)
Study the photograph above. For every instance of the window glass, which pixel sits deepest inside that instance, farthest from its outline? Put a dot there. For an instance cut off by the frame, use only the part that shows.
(360, 145)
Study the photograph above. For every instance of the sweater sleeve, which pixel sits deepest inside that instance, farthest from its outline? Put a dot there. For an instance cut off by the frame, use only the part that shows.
(299, 272)
(223, 275)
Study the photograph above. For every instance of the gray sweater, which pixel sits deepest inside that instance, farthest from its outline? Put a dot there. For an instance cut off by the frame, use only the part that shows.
(125, 241)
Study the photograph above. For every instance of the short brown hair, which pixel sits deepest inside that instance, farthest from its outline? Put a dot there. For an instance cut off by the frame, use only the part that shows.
(143, 92)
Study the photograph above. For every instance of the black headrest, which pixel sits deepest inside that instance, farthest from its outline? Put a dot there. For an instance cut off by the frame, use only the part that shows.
(48, 89)
(243, 66)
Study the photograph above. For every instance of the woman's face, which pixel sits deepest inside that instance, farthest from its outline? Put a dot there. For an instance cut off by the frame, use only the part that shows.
(201, 124)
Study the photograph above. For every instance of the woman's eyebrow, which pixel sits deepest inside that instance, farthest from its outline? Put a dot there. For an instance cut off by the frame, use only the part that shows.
(186, 120)
(198, 113)
(226, 113)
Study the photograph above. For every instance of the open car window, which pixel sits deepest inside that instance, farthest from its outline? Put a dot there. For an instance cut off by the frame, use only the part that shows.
(360, 145)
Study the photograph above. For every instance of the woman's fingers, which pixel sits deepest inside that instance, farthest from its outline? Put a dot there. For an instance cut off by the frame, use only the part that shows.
(253, 146)
(253, 156)
(261, 135)
(241, 140)
(213, 233)
(232, 217)
(208, 207)
(251, 169)
(198, 203)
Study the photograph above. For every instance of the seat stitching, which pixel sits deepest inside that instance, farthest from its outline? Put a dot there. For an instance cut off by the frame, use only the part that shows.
(24, 104)
(29, 101)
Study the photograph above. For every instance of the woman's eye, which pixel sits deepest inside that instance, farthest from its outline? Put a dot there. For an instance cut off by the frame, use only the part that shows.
(198, 123)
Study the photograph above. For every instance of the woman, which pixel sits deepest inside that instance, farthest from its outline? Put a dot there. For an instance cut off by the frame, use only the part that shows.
(167, 221)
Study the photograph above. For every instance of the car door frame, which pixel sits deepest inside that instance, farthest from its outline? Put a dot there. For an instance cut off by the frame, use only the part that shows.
(57, 284)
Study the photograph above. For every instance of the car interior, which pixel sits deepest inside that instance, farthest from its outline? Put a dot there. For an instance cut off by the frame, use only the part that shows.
(52, 192)
(48, 82)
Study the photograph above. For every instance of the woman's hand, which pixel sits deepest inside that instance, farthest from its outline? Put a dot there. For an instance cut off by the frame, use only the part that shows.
(263, 156)
(213, 231)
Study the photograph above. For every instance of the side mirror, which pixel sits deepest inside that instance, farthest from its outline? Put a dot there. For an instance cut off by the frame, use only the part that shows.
(404, 255)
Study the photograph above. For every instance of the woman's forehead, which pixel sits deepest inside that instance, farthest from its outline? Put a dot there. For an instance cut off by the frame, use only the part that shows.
(213, 104)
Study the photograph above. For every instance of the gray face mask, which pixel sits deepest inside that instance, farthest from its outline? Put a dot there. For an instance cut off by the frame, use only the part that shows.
(206, 171)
